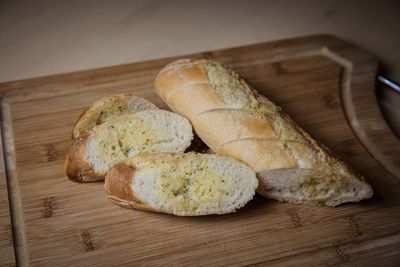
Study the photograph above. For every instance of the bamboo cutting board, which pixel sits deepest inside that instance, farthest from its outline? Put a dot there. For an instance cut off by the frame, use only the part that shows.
(325, 84)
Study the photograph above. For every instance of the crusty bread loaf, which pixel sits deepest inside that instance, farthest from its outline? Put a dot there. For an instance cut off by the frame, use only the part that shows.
(93, 153)
(185, 184)
(233, 119)
(108, 108)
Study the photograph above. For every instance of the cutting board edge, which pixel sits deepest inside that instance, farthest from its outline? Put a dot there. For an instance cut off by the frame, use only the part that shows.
(13, 190)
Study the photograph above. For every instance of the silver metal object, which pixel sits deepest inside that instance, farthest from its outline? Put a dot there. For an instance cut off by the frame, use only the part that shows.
(392, 84)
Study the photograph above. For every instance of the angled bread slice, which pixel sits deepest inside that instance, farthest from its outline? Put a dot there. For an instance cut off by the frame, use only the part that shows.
(108, 108)
(233, 119)
(185, 184)
(93, 153)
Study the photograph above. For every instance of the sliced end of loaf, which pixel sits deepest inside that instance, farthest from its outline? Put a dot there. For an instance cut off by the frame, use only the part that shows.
(92, 154)
(304, 186)
(185, 184)
(195, 184)
(149, 131)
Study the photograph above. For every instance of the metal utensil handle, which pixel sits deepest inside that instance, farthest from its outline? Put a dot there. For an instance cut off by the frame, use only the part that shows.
(392, 84)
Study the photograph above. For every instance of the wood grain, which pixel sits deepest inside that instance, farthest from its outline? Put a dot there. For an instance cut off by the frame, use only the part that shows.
(7, 257)
(70, 224)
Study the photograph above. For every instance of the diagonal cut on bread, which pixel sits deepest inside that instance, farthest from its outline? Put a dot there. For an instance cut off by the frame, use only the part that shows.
(108, 108)
(185, 184)
(93, 153)
(233, 119)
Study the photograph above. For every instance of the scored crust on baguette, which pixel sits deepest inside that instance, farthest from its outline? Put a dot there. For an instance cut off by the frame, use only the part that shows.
(185, 184)
(93, 153)
(108, 108)
(235, 120)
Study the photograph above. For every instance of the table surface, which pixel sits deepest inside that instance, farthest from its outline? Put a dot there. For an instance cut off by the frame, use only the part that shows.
(56, 37)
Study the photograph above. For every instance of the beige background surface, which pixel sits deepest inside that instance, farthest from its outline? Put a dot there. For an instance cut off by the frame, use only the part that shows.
(46, 37)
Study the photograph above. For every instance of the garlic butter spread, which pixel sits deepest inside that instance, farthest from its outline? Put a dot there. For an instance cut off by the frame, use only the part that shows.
(323, 186)
(117, 139)
(190, 181)
(104, 110)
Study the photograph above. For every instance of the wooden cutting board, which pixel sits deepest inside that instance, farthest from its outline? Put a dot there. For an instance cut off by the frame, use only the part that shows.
(325, 84)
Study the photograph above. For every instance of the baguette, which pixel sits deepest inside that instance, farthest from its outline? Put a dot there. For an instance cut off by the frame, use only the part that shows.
(187, 184)
(93, 153)
(108, 108)
(233, 119)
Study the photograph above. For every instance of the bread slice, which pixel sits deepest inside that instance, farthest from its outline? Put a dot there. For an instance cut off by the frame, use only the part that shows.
(108, 108)
(93, 153)
(235, 120)
(186, 184)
